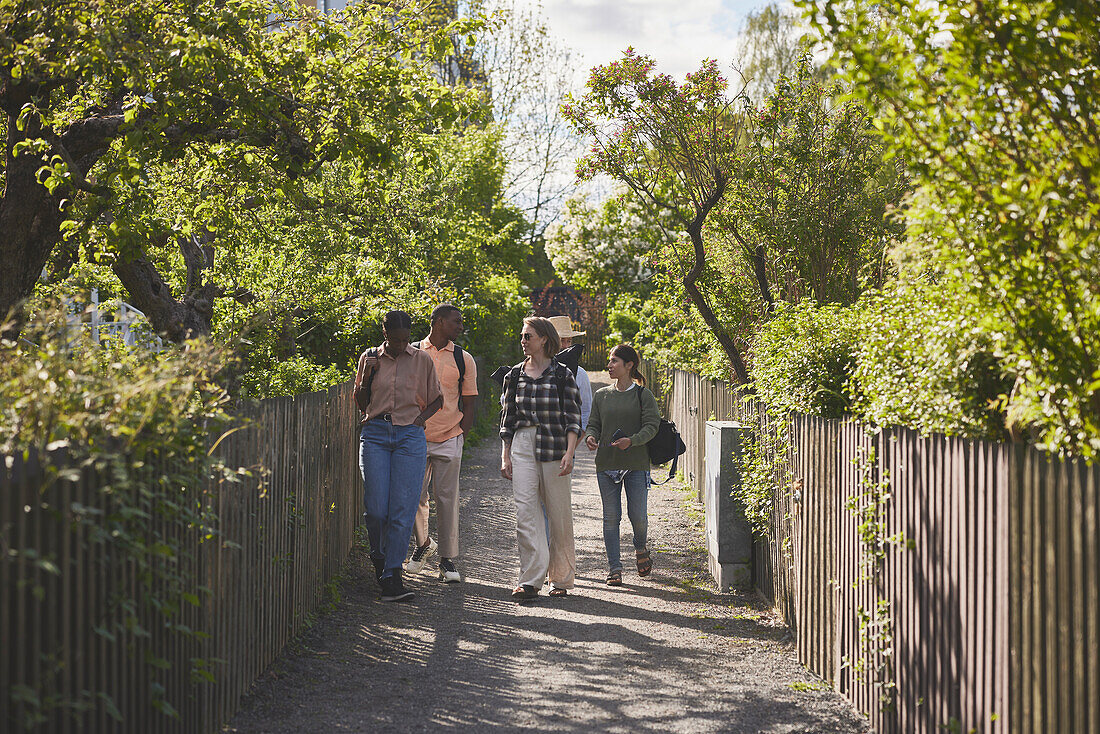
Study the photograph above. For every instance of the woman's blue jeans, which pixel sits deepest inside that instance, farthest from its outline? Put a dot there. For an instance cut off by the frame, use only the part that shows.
(636, 484)
(391, 461)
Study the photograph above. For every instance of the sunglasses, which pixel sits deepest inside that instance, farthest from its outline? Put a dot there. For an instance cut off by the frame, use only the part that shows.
(525, 336)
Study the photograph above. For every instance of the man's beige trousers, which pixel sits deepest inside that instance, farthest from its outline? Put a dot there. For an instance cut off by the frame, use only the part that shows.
(441, 474)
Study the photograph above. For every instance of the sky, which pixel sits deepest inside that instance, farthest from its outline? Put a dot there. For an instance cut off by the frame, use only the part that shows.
(678, 34)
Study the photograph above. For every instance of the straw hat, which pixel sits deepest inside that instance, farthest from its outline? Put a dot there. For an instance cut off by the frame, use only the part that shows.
(564, 326)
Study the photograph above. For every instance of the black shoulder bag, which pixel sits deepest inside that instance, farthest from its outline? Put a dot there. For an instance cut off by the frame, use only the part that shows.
(666, 445)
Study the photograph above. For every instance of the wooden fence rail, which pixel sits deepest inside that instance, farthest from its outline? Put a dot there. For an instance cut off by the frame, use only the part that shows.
(280, 535)
(990, 616)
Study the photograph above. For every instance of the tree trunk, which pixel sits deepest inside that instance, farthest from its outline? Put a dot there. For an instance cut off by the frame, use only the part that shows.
(695, 231)
(756, 256)
(759, 268)
(177, 320)
(30, 215)
(30, 221)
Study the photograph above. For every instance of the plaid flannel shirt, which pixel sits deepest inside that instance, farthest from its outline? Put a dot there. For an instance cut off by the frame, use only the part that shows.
(535, 402)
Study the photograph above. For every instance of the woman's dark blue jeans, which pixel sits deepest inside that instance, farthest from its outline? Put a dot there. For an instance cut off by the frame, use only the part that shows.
(391, 460)
(612, 484)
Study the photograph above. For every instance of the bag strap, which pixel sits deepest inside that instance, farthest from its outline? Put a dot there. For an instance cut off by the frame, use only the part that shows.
(460, 362)
(373, 353)
(675, 459)
(560, 379)
(366, 387)
(513, 378)
(671, 471)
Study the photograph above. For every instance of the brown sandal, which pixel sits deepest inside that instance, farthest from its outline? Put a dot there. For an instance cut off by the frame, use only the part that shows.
(615, 578)
(645, 563)
(558, 592)
(525, 592)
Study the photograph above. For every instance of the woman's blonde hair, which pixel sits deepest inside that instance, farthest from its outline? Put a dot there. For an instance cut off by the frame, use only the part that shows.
(545, 328)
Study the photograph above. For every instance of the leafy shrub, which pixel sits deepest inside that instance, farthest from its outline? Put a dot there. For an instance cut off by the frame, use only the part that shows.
(145, 423)
(802, 359)
(295, 376)
(1005, 193)
(927, 360)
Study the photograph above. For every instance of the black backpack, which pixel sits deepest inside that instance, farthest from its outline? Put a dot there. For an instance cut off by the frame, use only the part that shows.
(559, 377)
(666, 445)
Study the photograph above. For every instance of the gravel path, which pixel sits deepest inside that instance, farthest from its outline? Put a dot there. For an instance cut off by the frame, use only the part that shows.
(663, 654)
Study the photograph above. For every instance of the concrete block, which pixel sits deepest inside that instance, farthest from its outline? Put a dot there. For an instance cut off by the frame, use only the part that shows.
(729, 538)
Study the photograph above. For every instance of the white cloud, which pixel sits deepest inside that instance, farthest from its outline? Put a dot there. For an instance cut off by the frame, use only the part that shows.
(678, 34)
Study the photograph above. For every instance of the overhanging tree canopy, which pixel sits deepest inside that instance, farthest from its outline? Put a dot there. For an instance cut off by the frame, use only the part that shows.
(99, 95)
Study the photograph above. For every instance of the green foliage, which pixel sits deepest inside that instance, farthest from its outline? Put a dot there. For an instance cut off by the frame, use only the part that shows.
(294, 376)
(318, 267)
(280, 136)
(456, 241)
(765, 470)
(803, 359)
(876, 622)
(926, 359)
(671, 331)
(796, 191)
(674, 145)
(915, 354)
(993, 105)
(808, 205)
(145, 423)
(607, 248)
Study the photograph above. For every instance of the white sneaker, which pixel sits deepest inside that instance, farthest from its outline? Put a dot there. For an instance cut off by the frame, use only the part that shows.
(448, 574)
(419, 557)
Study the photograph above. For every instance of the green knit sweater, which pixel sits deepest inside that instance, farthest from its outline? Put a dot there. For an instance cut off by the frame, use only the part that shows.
(612, 409)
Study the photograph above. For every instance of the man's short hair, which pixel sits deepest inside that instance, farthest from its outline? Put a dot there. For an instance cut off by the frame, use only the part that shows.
(397, 320)
(442, 310)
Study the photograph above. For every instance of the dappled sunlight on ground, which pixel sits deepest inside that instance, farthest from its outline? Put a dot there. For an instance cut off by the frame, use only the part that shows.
(665, 653)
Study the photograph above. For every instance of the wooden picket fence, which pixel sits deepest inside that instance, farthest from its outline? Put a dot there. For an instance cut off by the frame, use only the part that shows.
(280, 536)
(987, 585)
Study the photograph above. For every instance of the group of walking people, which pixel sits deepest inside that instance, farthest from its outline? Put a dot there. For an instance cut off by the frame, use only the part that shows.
(417, 404)
(540, 429)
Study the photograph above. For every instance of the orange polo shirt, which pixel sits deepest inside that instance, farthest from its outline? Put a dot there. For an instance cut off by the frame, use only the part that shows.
(403, 385)
(447, 423)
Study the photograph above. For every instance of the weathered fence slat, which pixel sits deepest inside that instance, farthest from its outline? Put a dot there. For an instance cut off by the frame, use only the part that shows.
(279, 537)
(993, 591)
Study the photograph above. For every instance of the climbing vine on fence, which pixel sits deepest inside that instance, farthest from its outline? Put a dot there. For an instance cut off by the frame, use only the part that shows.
(765, 469)
(143, 424)
(876, 623)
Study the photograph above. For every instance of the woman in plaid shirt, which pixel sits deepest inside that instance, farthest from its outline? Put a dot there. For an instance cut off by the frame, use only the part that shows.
(539, 428)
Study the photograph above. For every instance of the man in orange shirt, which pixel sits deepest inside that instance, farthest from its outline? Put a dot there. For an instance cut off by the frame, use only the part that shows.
(446, 432)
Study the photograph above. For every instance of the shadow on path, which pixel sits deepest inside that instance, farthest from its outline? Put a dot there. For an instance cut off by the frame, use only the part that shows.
(668, 653)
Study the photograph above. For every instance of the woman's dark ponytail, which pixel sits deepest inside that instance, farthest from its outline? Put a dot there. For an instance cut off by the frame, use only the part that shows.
(627, 353)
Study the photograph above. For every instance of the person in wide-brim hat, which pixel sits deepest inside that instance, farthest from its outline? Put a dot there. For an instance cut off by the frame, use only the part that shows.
(566, 332)
(564, 326)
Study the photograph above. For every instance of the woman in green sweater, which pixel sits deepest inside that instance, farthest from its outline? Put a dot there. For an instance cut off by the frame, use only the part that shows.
(624, 418)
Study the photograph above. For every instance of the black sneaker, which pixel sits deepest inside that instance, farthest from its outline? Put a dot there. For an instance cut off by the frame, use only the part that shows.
(393, 589)
(378, 567)
(448, 574)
